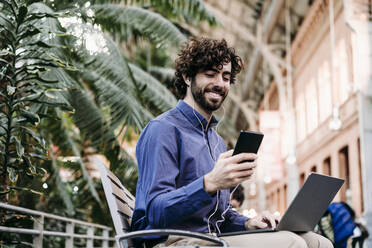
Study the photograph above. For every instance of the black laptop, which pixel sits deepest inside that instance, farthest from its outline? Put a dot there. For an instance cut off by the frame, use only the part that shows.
(307, 207)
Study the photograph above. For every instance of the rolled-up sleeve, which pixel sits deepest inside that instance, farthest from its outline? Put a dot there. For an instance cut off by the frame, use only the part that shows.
(234, 222)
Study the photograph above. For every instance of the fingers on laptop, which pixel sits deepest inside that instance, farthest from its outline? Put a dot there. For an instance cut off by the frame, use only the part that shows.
(255, 223)
(269, 219)
(263, 220)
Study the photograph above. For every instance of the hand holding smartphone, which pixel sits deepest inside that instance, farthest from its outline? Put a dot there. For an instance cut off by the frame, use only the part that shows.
(248, 142)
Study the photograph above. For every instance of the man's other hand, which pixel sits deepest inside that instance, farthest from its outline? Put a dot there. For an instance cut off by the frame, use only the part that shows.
(263, 220)
(229, 171)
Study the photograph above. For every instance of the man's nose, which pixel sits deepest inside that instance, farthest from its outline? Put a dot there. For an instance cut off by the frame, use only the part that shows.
(220, 82)
(220, 85)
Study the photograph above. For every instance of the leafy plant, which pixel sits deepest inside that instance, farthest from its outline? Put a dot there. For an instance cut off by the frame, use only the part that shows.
(25, 58)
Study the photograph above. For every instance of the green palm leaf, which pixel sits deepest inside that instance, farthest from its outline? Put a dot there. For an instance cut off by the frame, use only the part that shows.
(153, 91)
(119, 19)
(90, 120)
(162, 73)
(124, 108)
(191, 10)
(115, 87)
(76, 153)
(106, 74)
(62, 187)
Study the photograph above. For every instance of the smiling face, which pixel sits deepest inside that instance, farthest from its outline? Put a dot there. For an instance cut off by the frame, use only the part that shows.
(210, 87)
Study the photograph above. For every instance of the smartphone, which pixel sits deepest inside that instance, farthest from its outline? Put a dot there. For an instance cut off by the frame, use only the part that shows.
(248, 142)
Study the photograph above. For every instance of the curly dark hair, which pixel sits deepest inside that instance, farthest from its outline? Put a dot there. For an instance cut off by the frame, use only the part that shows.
(202, 54)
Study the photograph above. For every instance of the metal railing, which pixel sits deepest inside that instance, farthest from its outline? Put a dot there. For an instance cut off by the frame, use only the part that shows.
(38, 228)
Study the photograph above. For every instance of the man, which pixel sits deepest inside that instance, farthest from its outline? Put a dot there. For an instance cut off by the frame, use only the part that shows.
(185, 172)
(237, 196)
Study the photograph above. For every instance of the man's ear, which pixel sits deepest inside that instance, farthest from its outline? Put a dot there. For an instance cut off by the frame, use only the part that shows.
(187, 80)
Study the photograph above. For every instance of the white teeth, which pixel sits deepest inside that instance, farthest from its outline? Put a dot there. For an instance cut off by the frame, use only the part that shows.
(214, 94)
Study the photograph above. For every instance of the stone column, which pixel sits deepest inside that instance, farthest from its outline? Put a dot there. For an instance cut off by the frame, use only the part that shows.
(290, 162)
(355, 175)
(365, 125)
(356, 16)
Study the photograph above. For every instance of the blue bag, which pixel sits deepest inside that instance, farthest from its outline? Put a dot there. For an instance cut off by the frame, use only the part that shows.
(342, 222)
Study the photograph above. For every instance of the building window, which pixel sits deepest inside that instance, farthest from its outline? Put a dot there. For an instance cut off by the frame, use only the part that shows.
(311, 106)
(343, 156)
(279, 206)
(324, 89)
(300, 117)
(302, 178)
(342, 71)
(327, 166)
(285, 196)
(313, 169)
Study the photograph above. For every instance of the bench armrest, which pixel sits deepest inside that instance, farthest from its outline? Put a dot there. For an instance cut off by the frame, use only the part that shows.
(142, 233)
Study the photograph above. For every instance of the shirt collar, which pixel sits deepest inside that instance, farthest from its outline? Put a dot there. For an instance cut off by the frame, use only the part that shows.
(194, 116)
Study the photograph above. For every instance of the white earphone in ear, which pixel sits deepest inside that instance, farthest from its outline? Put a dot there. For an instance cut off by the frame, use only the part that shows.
(188, 82)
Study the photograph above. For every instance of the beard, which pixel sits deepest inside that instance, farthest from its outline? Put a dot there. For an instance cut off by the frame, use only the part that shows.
(201, 98)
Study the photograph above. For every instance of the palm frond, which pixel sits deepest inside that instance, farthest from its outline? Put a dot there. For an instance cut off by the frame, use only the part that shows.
(76, 153)
(93, 126)
(162, 73)
(116, 87)
(90, 120)
(152, 91)
(62, 187)
(124, 108)
(106, 74)
(165, 75)
(192, 11)
(123, 20)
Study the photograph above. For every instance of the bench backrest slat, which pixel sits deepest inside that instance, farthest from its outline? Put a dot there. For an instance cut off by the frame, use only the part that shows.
(122, 195)
(125, 210)
(120, 200)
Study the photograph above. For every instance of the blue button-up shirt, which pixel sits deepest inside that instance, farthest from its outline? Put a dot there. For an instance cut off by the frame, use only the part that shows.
(173, 155)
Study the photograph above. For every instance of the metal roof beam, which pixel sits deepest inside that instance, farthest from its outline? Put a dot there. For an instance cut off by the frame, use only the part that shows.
(255, 60)
(246, 34)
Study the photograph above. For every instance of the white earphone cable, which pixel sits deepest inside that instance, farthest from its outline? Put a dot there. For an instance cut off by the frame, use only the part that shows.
(214, 158)
(225, 211)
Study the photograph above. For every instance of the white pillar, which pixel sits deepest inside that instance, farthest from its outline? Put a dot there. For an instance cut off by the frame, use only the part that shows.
(365, 123)
(69, 242)
(355, 17)
(105, 234)
(38, 225)
(90, 233)
(291, 165)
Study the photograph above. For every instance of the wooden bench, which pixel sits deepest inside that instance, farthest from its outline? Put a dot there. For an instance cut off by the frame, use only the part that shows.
(121, 205)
